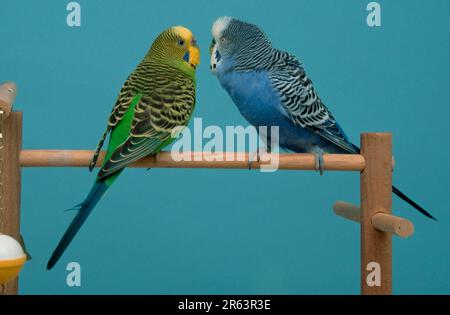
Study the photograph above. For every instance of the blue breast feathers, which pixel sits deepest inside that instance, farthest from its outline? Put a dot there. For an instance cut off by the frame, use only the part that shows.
(254, 96)
(260, 104)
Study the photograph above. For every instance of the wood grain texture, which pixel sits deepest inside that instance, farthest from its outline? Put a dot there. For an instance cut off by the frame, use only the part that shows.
(376, 196)
(6, 108)
(375, 162)
(347, 211)
(11, 178)
(392, 224)
(381, 221)
(81, 158)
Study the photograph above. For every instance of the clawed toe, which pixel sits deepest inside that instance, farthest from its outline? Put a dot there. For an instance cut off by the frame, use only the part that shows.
(319, 164)
(252, 158)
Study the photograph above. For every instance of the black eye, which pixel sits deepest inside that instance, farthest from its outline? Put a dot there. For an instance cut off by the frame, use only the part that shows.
(223, 39)
(180, 42)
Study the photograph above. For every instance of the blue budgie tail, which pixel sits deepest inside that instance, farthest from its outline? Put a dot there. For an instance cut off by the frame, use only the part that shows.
(84, 209)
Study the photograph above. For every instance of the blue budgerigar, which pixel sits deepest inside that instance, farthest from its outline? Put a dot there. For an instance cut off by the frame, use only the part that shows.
(270, 88)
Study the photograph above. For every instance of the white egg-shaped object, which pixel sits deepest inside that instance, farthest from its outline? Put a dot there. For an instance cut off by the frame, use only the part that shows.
(10, 248)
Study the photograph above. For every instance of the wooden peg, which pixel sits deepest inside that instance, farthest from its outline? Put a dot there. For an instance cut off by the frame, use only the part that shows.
(381, 221)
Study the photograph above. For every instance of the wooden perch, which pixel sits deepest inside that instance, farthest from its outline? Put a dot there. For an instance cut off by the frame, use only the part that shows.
(381, 221)
(347, 210)
(375, 164)
(81, 158)
(392, 224)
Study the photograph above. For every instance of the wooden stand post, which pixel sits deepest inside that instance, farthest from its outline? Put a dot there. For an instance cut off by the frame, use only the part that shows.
(376, 197)
(10, 180)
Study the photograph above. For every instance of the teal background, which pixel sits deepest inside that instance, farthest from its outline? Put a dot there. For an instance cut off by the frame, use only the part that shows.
(230, 231)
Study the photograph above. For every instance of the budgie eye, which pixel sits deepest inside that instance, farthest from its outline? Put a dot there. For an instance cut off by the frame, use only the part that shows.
(223, 40)
(180, 42)
(10, 90)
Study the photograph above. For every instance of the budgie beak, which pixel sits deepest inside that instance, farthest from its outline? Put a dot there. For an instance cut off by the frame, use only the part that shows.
(211, 46)
(215, 55)
(193, 56)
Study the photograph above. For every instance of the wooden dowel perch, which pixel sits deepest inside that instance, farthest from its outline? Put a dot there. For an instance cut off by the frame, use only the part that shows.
(381, 221)
(392, 224)
(375, 164)
(81, 158)
(347, 210)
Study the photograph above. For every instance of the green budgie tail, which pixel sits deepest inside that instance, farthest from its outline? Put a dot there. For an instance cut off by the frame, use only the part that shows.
(157, 98)
(84, 209)
(119, 134)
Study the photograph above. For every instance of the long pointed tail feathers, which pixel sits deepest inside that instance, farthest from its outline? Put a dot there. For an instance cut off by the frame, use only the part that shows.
(84, 209)
(402, 195)
(412, 203)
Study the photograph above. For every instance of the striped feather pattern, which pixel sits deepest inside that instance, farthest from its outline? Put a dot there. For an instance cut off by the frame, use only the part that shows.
(299, 99)
(168, 101)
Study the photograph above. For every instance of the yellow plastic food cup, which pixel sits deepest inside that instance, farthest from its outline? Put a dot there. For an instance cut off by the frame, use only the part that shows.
(10, 268)
(12, 258)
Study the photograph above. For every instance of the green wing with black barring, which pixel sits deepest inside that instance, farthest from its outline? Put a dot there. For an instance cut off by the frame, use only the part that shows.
(155, 100)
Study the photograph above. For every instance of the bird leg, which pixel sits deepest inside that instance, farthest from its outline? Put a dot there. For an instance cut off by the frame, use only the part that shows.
(252, 157)
(318, 157)
(266, 149)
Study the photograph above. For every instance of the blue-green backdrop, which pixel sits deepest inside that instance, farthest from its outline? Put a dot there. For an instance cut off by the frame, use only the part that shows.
(230, 231)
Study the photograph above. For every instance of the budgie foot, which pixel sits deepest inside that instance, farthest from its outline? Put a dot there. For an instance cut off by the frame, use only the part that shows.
(251, 158)
(257, 154)
(318, 156)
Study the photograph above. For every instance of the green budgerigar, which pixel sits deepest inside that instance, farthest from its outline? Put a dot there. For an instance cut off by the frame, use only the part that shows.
(156, 99)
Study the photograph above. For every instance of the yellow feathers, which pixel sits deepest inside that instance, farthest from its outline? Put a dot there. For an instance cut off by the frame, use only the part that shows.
(183, 32)
(188, 37)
